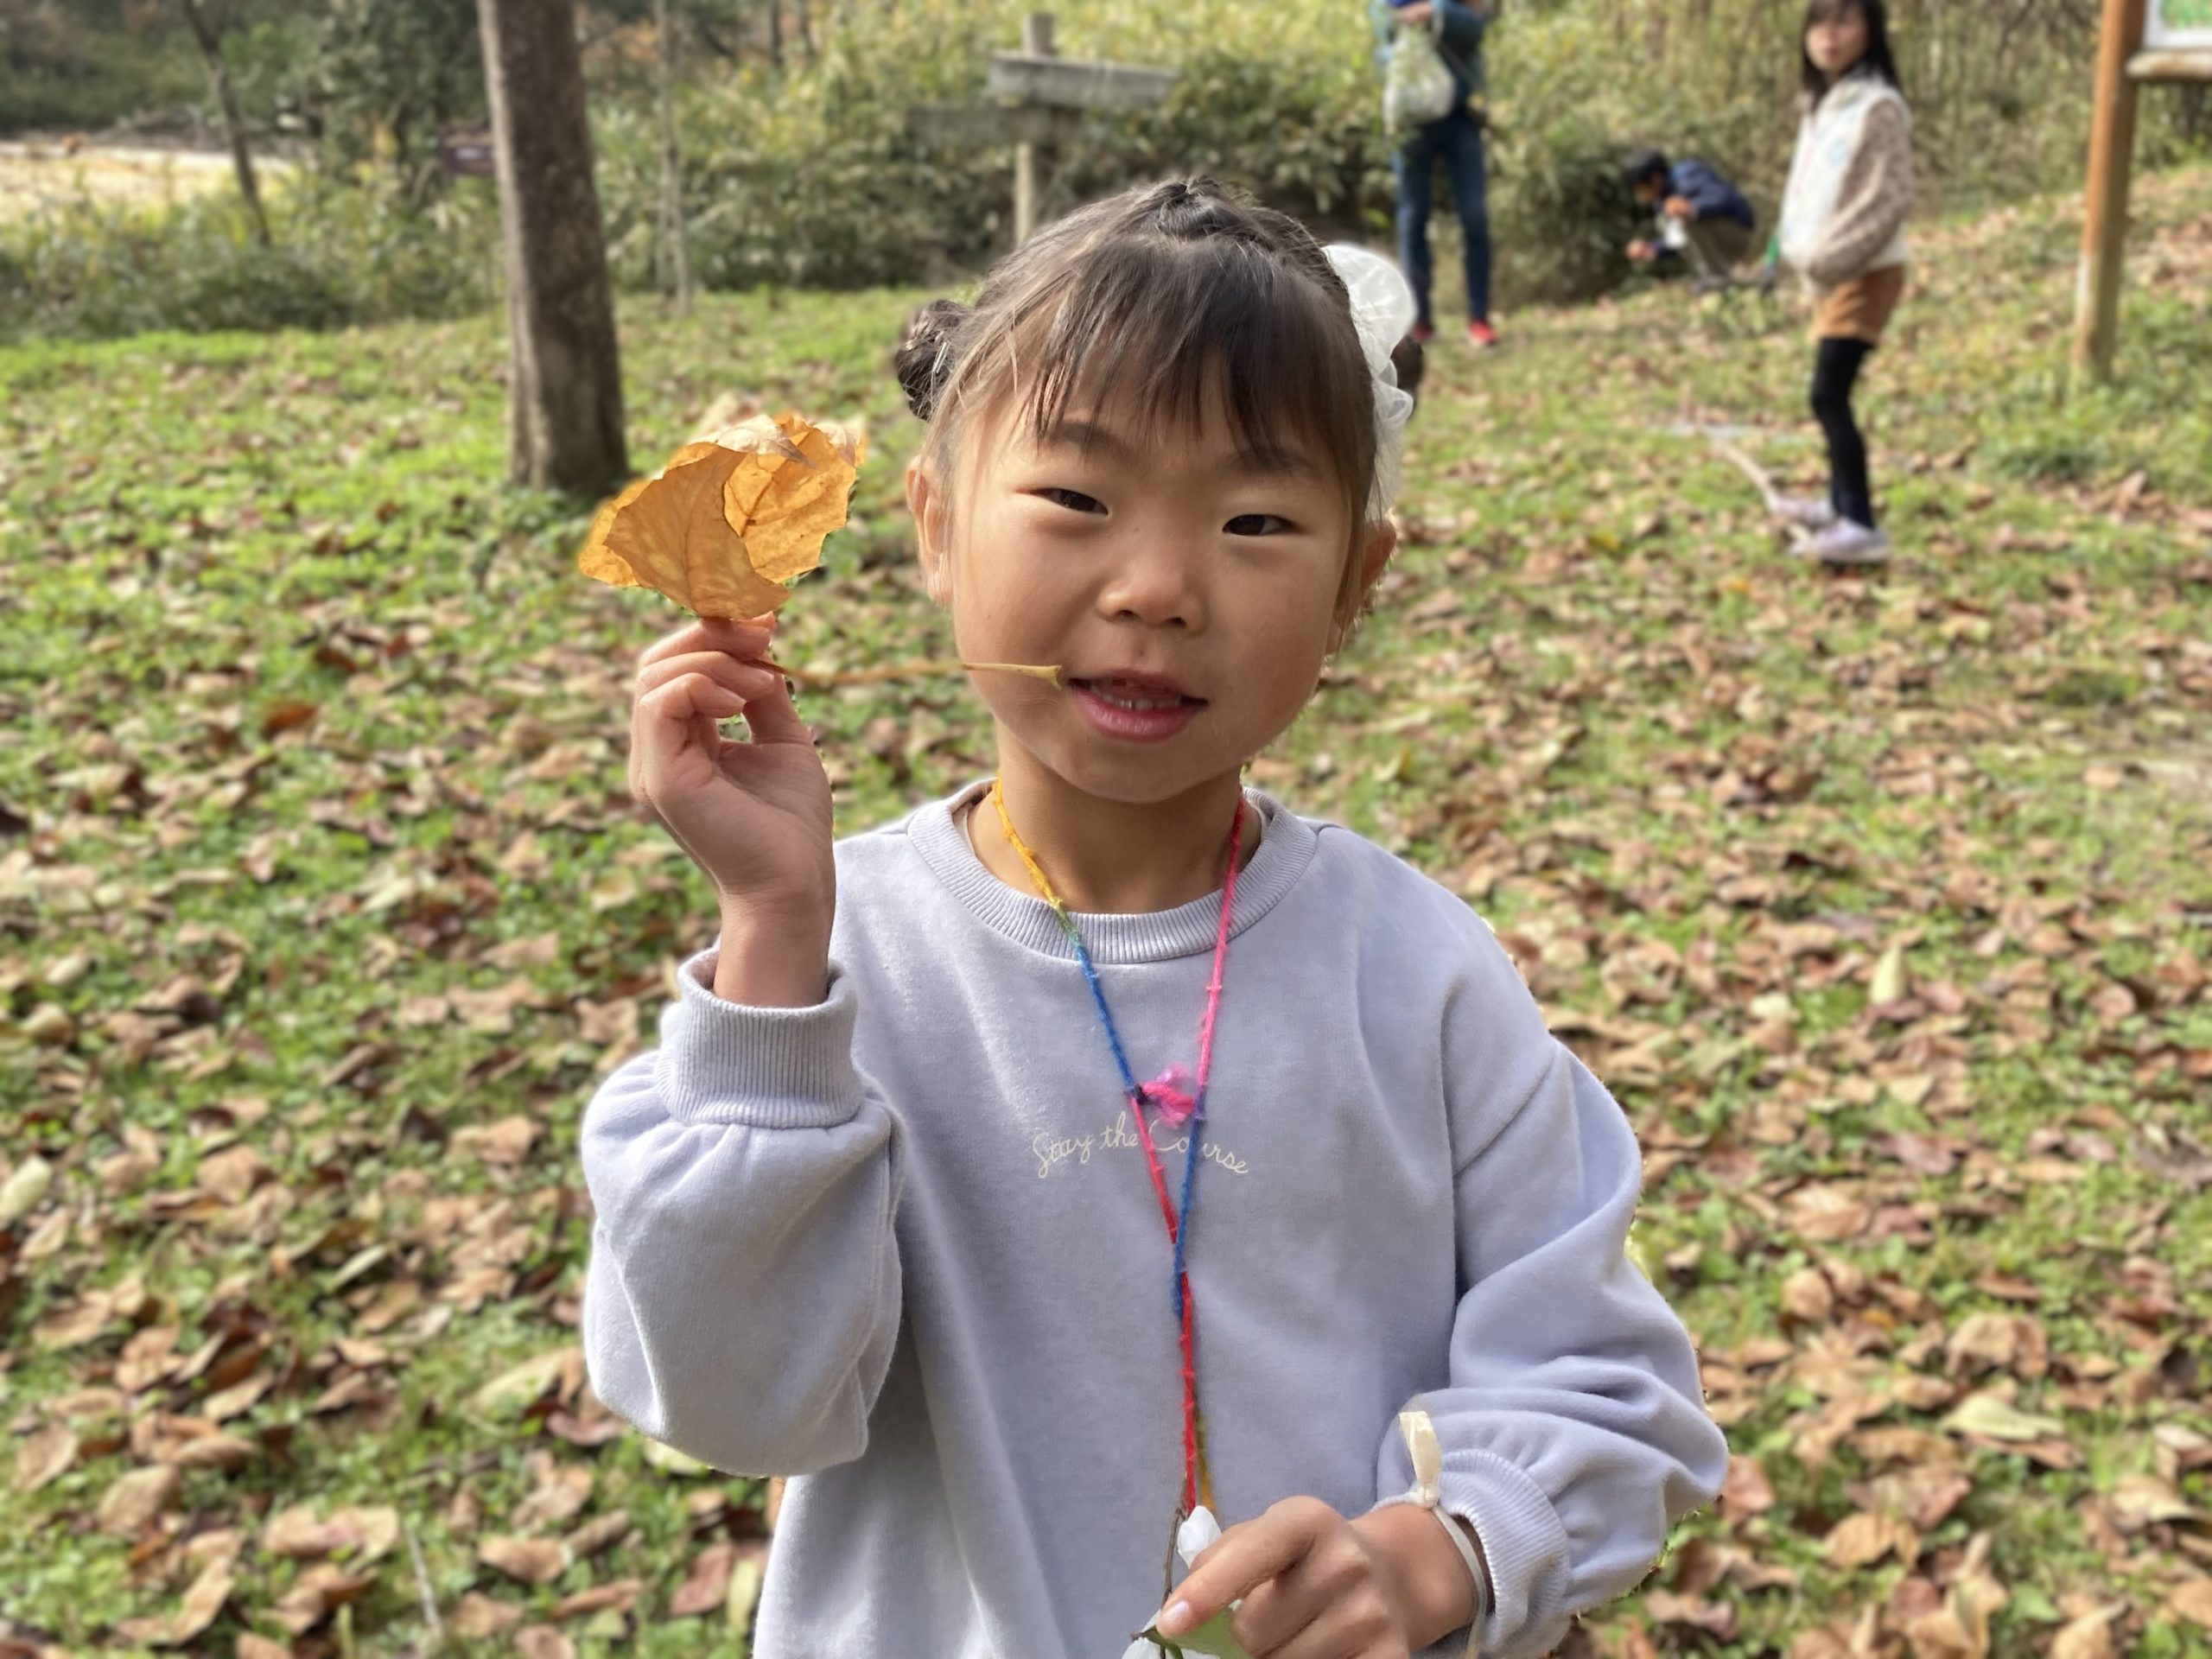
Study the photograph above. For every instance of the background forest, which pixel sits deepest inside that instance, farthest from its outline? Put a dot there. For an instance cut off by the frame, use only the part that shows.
(799, 168)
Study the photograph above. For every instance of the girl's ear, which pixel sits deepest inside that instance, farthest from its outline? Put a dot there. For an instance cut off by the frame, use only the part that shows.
(1377, 543)
(925, 500)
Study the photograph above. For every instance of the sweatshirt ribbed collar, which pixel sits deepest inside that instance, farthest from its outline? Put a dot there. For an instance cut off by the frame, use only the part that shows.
(1286, 847)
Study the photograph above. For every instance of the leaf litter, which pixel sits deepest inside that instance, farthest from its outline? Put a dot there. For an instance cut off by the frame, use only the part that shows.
(1880, 901)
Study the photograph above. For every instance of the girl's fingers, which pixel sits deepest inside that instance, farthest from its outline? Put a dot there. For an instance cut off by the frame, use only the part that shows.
(667, 716)
(748, 679)
(1240, 1560)
(772, 718)
(1339, 1633)
(1272, 1613)
(747, 638)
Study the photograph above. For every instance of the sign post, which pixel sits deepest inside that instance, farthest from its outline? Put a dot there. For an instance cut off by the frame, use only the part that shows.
(1036, 42)
(1043, 99)
(2142, 41)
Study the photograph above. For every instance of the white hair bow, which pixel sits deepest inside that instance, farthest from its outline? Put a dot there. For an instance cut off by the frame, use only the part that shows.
(1383, 312)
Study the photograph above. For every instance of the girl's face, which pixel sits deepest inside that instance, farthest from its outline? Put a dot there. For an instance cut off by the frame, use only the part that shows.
(1187, 588)
(1837, 43)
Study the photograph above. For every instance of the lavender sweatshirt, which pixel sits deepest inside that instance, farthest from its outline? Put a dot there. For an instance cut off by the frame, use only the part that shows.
(902, 1246)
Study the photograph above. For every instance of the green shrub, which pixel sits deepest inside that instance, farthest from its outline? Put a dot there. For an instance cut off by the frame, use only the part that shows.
(340, 254)
(815, 179)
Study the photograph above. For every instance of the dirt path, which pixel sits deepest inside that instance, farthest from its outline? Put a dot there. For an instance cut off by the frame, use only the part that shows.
(36, 173)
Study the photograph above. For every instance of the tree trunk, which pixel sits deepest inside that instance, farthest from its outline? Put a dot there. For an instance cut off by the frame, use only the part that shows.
(776, 32)
(675, 249)
(565, 385)
(804, 19)
(226, 98)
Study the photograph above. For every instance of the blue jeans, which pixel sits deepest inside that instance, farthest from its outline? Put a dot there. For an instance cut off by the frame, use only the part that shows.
(1458, 140)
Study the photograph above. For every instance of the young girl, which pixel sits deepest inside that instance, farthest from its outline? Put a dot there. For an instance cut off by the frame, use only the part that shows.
(1843, 226)
(1107, 1139)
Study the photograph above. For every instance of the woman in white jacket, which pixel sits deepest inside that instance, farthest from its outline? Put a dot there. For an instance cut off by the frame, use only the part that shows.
(1843, 228)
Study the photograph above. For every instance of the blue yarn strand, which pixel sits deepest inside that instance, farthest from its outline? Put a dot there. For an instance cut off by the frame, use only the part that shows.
(1106, 1019)
(1136, 1104)
(1183, 1210)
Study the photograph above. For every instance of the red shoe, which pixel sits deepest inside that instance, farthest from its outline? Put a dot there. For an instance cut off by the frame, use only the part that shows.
(1423, 333)
(1481, 336)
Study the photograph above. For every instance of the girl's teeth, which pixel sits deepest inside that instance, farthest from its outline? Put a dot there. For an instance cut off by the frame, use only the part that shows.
(1121, 700)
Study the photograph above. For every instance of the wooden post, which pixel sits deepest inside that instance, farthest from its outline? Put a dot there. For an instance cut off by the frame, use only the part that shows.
(1036, 42)
(2104, 223)
(564, 384)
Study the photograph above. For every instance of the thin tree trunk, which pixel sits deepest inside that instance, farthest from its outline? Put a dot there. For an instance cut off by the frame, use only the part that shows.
(226, 97)
(776, 32)
(564, 387)
(676, 248)
(805, 18)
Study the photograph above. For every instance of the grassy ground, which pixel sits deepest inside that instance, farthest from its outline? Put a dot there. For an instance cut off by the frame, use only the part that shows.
(1884, 904)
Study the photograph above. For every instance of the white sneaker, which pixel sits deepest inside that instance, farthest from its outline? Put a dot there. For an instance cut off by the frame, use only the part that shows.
(1847, 543)
(1802, 511)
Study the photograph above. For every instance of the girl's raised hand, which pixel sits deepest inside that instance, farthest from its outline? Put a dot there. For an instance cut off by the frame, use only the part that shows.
(1314, 1586)
(754, 816)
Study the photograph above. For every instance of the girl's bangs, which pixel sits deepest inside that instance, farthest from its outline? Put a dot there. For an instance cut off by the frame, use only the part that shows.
(1166, 327)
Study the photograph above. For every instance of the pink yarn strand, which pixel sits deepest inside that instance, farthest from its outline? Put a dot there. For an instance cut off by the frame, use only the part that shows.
(1220, 952)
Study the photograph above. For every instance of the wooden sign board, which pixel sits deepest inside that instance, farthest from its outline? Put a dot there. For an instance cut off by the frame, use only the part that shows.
(2177, 43)
(1048, 96)
(467, 153)
(987, 127)
(1068, 84)
(2178, 26)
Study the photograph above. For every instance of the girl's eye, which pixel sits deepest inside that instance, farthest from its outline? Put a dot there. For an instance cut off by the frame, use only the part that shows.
(1256, 523)
(1073, 500)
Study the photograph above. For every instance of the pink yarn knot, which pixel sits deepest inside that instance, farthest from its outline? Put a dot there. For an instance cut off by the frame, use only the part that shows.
(1170, 1093)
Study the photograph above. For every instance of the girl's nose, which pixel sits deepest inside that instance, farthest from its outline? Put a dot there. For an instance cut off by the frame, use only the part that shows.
(1155, 585)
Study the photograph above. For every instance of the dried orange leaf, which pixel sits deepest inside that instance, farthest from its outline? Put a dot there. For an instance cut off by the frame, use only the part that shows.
(726, 526)
(530, 1560)
(202, 1602)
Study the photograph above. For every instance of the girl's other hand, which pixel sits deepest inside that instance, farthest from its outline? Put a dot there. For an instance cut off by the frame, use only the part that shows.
(1416, 16)
(754, 816)
(1315, 1585)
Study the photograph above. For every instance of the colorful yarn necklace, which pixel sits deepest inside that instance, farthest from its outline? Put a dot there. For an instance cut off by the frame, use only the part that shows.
(1166, 1094)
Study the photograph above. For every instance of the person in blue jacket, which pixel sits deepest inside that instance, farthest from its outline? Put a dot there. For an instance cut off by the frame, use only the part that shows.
(1457, 27)
(1702, 216)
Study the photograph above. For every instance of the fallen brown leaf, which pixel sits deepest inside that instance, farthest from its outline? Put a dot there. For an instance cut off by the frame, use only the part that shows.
(544, 1642)
(2192, 1600)
(706, 1581)
(1862, 1539)
(2086, 1638)
(530, 1561)
(137, 1497)
(202, 1603)
(44, 1456)
(1746, 1490)
(619, 1594)
(479, 1617)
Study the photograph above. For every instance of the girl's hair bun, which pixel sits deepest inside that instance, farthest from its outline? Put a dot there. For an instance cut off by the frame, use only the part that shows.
(924, 358)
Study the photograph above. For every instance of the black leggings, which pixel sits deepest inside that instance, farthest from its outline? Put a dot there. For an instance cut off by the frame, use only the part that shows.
(1835, 371)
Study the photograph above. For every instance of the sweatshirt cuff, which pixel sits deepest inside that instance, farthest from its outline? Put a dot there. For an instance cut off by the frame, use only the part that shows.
(1523, 1545)
(758, 1068)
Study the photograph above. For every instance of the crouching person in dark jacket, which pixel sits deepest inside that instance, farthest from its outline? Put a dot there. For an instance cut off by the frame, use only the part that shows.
(1703, 218)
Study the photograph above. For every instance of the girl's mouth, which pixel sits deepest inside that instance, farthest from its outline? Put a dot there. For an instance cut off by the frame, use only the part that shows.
(1136, 708)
